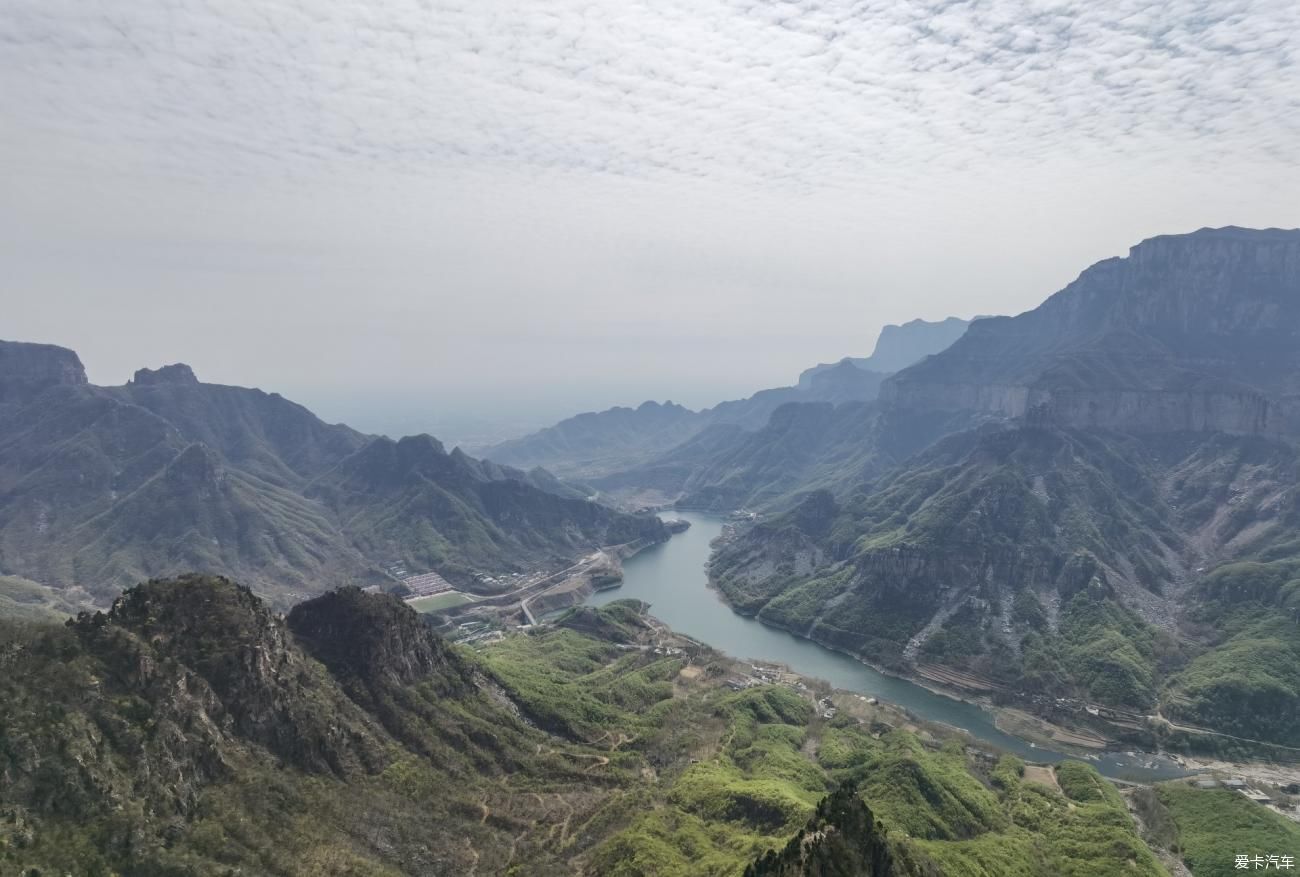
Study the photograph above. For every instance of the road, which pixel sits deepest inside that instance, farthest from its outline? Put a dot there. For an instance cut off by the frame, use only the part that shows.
(584, 564)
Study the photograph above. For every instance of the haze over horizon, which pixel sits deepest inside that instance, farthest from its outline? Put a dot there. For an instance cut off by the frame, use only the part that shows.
(424, 215)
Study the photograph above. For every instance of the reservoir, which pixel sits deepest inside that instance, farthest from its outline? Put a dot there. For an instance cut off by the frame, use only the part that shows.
(671, 578)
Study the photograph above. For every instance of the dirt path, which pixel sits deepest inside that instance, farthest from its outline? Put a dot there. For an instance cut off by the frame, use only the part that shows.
(623, 740)
(568, 818)
(1192, 729)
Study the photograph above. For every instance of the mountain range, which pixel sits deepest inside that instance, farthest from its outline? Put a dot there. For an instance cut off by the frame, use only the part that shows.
(102, 487)
(1092, 503)
(1088, 511)
(1106, 514)
(609, 449)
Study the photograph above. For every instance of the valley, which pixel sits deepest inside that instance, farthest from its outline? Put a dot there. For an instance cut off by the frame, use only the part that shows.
(650, 439)
(1087, 510)
(1026, 604)
(672, 579)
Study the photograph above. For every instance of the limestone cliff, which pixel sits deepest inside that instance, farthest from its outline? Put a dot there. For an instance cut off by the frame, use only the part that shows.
(26, 370)
(1196, 332)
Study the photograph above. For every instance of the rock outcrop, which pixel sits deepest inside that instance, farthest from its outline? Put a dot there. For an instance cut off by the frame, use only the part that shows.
(842, 837)
(219, 641)
(27, 370)
(177, 373)
(897, 347)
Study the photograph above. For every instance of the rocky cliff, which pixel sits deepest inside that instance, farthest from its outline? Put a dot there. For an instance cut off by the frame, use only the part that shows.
(26, 370)
(177, 373)
(1188, 332)
(897, 347)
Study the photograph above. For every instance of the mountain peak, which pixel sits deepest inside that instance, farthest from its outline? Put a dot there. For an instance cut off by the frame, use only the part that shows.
(28, 369)
(668, 405)
(898, 346)
(1188, 332)
(176, 373)
(217, 641)
(415, 446)
(374, 638)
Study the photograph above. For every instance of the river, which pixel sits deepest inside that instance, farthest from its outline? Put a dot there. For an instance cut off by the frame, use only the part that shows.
(671, 578)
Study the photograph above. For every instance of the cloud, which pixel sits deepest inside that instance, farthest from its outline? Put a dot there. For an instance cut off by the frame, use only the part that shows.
(501, 202)
(800, 94)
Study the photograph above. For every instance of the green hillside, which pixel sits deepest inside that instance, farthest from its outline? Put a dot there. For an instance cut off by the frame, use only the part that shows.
(192, 731)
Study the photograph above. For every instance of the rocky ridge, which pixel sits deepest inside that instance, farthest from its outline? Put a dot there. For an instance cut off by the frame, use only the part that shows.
(104, 486)
(1195, 332)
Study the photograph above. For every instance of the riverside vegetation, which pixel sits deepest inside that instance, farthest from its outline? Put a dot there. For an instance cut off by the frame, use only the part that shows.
(189, 730)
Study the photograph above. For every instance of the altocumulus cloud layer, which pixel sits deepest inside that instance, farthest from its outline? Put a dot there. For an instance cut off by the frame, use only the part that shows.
(485, 165)
(809, 94)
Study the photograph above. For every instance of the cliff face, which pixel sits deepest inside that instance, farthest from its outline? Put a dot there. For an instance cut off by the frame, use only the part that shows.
(1193, 332)
(897, 347)
(26, 370)
(901, 346)
(1243, 411)
(177, 373)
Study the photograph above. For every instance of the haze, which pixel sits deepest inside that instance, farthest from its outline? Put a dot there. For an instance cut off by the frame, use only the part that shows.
(480, 217)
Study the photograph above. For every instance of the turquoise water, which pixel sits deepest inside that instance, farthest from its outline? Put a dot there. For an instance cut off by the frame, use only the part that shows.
(671, 578)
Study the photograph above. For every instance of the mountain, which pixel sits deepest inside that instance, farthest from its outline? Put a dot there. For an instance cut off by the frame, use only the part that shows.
(410, 499)
(1090, 503)
(657, 454)
(1188, 332)
(590, 441)
(841, 838)
(197, 732)
(192, 730)
(617, 440)
(899, 346)
(101, 487)
(27, 370)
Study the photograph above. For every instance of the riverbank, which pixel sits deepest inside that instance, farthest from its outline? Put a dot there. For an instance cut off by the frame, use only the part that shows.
(672, 577)
(1123, 748)
(1034, 730)
(603, 572)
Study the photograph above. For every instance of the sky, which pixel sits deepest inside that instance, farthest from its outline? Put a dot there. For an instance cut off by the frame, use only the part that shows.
(478, 217)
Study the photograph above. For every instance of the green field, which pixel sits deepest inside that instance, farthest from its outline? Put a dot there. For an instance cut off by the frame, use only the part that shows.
(438, 602)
